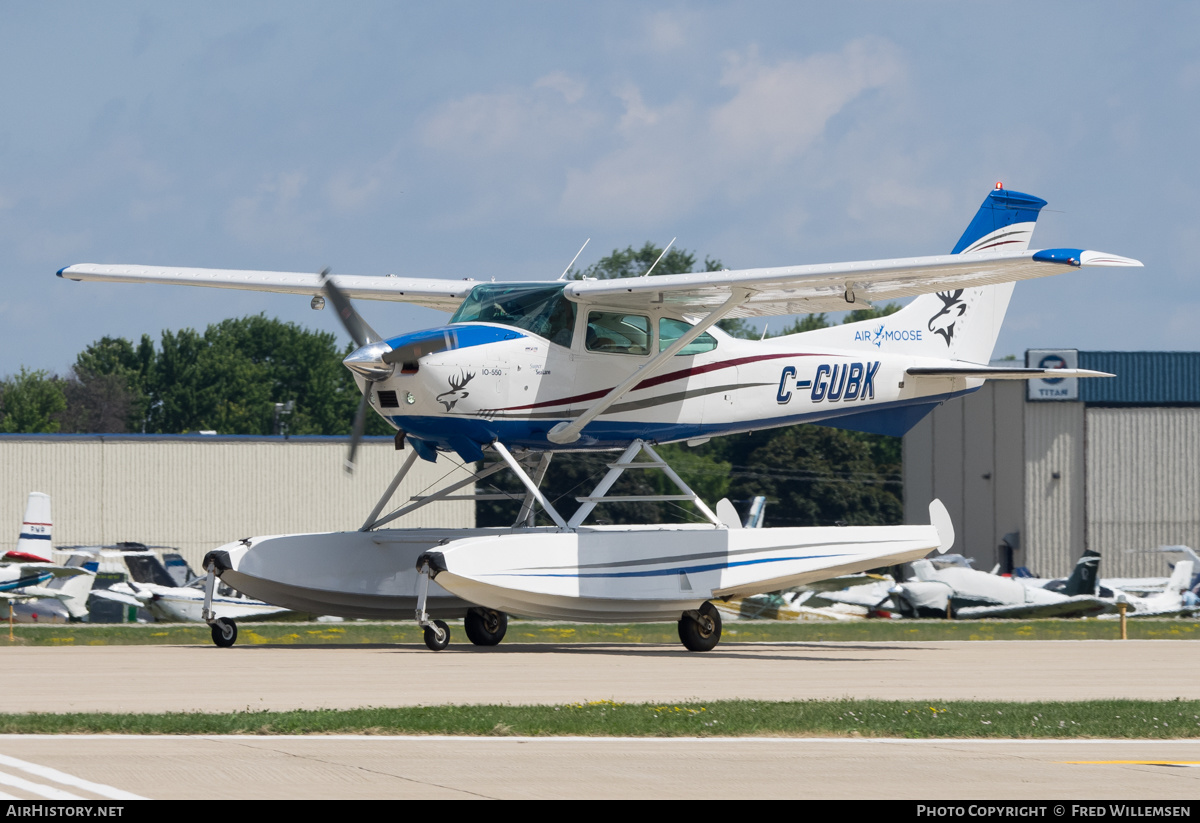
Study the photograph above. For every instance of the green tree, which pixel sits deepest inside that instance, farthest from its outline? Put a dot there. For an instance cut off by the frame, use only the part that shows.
(97, 403)
(871, 313)
(630, 262)
(30, 402)
(816, 476)
(109, 374)
(230, 378)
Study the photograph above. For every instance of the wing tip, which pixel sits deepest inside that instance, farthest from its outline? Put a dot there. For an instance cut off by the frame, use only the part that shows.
(939, 518)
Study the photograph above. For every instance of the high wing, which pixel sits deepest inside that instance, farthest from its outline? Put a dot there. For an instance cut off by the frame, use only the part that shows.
(435, 294)
(769, 291)
(833, 286)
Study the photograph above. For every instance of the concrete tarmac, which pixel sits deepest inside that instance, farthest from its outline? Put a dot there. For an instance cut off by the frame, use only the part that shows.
(204, 678)
(324, 767)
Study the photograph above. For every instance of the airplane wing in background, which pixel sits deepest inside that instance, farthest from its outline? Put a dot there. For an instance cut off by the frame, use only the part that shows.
(435, 294)
(1081, 605)
(833, 286)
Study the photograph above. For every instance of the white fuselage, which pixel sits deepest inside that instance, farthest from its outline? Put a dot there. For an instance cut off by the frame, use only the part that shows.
(517, 389)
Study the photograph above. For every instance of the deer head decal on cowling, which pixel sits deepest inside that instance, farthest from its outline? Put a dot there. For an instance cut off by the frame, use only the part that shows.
(456, 393)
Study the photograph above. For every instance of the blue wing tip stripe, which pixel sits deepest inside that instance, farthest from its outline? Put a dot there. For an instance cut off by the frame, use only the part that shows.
(1069, 257)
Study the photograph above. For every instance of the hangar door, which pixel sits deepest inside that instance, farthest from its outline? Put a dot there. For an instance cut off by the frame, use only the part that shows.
(1143, 486)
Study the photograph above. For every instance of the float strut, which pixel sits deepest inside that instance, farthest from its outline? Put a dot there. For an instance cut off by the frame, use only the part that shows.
(210, 583)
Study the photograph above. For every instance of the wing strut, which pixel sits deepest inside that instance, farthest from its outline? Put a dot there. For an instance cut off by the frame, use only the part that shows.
(565, 433)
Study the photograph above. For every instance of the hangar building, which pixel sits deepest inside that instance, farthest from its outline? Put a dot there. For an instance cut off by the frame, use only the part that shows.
(1034, 474)
(196, 492)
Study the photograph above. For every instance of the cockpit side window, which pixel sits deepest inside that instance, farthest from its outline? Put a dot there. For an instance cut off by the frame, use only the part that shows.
(542, 310)
(670, 330)
(618, 333)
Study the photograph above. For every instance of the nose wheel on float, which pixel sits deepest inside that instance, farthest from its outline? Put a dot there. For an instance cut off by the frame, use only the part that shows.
(224, 632)
(484, 627)
(224, 629)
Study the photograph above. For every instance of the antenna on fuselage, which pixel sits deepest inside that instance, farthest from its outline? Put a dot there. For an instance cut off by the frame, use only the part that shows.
(573, 259)
(661, 256)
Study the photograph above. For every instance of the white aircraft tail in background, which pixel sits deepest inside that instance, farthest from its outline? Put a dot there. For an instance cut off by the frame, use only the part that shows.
(28, 576)
(34, 543)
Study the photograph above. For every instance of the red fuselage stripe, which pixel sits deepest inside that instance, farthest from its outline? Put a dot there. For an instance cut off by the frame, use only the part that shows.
(662, 378)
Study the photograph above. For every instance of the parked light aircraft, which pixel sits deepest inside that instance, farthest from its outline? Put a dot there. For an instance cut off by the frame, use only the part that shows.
(959, 591)
(33, 577)
(529, 369)
(1177, 597)
(167, 590)
(1148, 586)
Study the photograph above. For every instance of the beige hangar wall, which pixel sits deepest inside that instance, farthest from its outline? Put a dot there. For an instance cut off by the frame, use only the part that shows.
(197, 492)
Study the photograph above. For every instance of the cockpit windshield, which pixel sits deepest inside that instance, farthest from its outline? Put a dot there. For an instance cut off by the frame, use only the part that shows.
(542, 310)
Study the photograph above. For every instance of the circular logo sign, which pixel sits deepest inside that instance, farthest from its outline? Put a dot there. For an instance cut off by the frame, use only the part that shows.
(1053, 361)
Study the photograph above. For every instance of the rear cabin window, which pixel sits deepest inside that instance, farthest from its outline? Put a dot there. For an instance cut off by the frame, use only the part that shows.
(618, 333)
(670, 330)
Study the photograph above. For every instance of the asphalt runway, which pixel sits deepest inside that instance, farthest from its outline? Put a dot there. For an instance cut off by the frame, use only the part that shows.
(204, 678)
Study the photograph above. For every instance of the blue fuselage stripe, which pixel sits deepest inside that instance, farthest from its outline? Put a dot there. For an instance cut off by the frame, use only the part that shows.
(32, 580)
(675, 569)
(444, 431)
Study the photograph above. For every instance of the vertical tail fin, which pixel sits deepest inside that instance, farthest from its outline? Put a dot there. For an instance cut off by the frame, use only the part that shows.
(1181, 578)
(1084, 578)
(73, 593)
(33, 543)
(962, 324)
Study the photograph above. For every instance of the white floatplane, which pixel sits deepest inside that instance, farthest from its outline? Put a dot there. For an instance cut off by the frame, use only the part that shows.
(529, 369)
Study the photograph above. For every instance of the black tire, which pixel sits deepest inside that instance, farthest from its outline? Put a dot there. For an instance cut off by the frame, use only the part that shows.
(224, 632)
(431, 638)
(485, 627)
(704, 635)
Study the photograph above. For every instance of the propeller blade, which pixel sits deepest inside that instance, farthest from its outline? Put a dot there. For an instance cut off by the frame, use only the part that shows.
(359, 330)
(360, 423)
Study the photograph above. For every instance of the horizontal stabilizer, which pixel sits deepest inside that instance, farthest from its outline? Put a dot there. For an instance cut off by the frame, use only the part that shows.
(1001, 372)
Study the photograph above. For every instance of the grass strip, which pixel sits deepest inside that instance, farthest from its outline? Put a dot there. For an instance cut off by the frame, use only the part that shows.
(1134, 719)
(742, 631)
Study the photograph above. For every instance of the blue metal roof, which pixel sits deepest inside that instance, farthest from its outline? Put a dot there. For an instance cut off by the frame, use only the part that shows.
(1143, 378)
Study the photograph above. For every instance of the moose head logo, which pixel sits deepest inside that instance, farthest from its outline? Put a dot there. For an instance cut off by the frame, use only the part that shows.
(953, 308)
(456, 393)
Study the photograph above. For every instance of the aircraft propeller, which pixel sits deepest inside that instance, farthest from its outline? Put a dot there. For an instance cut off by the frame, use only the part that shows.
(368, 360)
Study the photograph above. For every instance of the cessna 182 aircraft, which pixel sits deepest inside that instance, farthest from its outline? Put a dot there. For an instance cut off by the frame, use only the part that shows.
(533, 368)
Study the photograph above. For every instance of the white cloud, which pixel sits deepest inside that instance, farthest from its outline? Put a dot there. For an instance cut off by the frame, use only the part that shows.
(569, 87)
(777, 111)
(548, 116)
(276, 210)
(560, 144)
(675, 157)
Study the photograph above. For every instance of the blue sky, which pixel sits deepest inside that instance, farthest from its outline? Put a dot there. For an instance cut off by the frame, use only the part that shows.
(490, 139)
